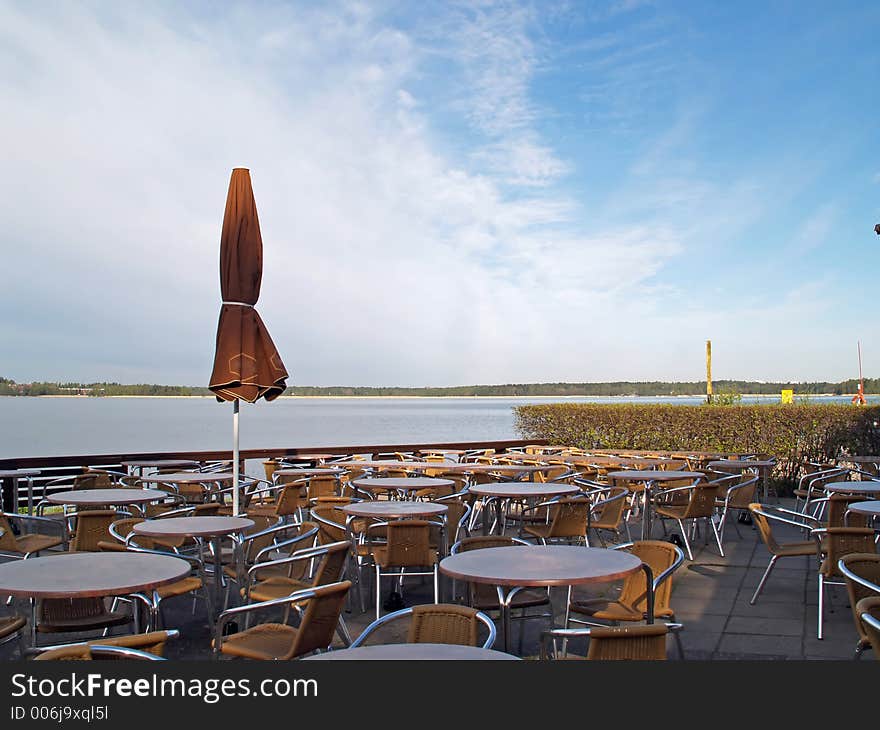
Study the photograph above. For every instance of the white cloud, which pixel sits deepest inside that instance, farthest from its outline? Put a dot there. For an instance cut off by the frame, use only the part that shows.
(385, 260)
(392, 254)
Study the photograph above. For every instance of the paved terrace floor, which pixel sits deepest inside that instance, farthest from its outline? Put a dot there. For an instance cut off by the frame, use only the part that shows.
(710, 597)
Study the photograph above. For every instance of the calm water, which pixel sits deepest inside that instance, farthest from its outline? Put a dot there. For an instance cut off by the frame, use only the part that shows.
(67, 426)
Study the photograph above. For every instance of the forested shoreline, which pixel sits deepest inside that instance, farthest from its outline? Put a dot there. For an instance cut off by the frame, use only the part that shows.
(9, 387)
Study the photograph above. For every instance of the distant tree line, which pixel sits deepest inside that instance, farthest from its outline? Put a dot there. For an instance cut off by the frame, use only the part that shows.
(646, 388)
(10, 387)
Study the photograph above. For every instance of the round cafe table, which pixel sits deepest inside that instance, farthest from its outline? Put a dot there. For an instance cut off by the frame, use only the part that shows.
(870, 508)
(13, 475)
(211, 527)
(138, 465)
(317, 471)
(651, 478)
(454, 652)
(394, 509)
(404, 486)
(511, 569)
(87, 575)
(853, 487)
(190, 478)
(450, 466)
(501, 493)
(91, 498)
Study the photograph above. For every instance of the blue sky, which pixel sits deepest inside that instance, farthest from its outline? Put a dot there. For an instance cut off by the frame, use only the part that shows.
(449, 193)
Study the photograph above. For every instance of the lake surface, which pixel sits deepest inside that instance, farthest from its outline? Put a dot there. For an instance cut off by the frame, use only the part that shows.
(68, 426)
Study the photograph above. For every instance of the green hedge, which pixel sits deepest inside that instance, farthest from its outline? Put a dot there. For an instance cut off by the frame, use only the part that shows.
(793, 433)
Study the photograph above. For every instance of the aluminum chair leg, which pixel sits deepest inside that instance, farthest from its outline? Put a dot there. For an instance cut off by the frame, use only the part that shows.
(678, 643)
(717, 536)
(436, 585)
(687, 543)
(763, 579)
(378, 591)
(342, 630)
(821, 603)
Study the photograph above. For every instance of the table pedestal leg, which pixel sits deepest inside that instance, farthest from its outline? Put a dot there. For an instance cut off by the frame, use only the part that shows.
(218, 571)
(504, 601)
(646, 513)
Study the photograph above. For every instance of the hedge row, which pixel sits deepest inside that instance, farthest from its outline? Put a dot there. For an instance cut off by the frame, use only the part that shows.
(794, 434)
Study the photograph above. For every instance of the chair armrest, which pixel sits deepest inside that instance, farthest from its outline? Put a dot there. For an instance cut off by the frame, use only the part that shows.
(44, 521)
(230, 613)
(308, 535)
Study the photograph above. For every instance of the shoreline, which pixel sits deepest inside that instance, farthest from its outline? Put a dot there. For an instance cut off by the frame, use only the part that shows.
(761, 396)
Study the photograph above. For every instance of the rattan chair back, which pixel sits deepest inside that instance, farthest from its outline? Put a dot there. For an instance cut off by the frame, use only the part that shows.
(409, 543)
(322, 486)
(443, 623)
(659, 556)
(842, 541)
(628, 642)
(92, 526)
(332, 564)
(868, 610)
(291, 498)
(867, 567)
(320, 618)
(608, 512)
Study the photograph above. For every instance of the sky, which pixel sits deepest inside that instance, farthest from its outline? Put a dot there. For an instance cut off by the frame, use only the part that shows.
(449, 193)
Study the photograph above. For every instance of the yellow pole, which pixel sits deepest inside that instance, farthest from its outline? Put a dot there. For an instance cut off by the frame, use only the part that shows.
(708, 371)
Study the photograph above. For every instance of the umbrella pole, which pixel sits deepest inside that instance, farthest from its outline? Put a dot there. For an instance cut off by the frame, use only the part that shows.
(235, 499)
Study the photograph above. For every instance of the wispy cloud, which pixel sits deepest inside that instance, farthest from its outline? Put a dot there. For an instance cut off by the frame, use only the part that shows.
(814, 231)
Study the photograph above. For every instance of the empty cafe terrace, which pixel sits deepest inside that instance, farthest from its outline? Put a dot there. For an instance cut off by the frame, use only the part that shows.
(502, 550)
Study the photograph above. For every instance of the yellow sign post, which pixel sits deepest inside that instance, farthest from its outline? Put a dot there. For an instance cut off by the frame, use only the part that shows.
(787, 397)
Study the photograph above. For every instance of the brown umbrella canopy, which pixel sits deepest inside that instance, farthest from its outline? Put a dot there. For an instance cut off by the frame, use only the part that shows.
(246, 364)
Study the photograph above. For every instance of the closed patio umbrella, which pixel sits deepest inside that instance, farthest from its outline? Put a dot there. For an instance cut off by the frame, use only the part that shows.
(247, 365)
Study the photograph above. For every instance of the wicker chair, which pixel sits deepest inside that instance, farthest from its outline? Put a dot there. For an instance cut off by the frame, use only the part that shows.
(869, 611)
(834, 543)
(631, 605)
(735, 498)
(65, 615)
(322, 486)
(92, 527)
(152, 643)
(764, 515)
(569, 519)
(196, 584)
(609, 511)
(26, 545)
(87, 652)
(331, 521)
(271, 641)
(638, 643)
(700, 505)
(407, 545)
(331, 560)
(11, 627)
(458, 514)
(861, 571)
(443, 623)
(811, 486)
